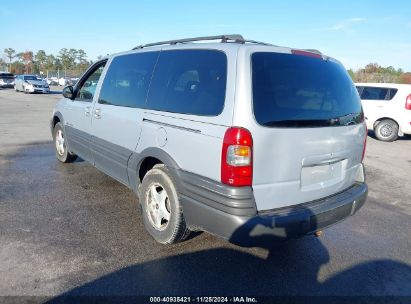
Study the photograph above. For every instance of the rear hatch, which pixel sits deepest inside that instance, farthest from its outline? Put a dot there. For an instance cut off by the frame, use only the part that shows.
(309, 133)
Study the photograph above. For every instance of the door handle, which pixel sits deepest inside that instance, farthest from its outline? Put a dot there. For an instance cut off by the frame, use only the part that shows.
(87, 111)
(97, 113)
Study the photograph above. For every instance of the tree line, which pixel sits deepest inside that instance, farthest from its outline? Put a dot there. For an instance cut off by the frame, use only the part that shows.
(73, 62)
(373, 72)
(69, 62)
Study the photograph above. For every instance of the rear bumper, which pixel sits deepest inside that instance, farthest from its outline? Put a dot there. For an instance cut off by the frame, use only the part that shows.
(406, 126)
(303, 219)
(213, 208)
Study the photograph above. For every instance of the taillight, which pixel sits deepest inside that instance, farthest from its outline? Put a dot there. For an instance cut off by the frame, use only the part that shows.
(408, 102)
(236, 157)
(365, 143)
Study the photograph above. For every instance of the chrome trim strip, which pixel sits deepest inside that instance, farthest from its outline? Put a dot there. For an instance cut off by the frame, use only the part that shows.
(171, 126)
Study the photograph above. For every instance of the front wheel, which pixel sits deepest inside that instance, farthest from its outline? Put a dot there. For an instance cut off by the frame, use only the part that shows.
(60, 145)
(387, 130)
(161, 208)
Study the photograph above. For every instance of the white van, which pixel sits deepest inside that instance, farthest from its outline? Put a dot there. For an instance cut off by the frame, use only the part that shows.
(387, 109)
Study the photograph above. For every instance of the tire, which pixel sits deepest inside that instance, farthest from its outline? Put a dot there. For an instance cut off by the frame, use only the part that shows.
(60, 146)
(161, 208)
(387, 130)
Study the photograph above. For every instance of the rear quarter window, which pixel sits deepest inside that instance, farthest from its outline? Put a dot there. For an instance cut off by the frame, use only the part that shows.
(391, 94)
(189, 82)
(375, 93)
(300, 91)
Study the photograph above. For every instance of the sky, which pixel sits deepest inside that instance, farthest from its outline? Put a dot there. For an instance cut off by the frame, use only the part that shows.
(355, 32)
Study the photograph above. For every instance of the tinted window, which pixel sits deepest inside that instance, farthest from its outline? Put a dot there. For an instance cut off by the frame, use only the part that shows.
(30, 78)
(189, 82)
(391, 94)
(6, 76)
(301, 91)
(127, 80)
(373, 93)
(87, 87)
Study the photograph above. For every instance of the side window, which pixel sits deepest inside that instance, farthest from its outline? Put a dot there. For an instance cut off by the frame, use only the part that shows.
(374, 93)
(360, 89)
(127, 80)
(189, 82)
(87, 88)
(392, 94)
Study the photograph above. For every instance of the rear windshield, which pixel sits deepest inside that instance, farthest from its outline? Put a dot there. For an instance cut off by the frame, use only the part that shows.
(6, 76)
(301, 91)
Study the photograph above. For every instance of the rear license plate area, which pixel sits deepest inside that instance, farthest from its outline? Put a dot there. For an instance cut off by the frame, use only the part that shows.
(321, 176)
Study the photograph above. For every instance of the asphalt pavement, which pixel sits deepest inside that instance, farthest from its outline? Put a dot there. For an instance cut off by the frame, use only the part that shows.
(72, 230)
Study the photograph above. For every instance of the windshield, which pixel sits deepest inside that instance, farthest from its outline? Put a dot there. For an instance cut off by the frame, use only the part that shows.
(31, 78)
(301, 91)
(6, 76)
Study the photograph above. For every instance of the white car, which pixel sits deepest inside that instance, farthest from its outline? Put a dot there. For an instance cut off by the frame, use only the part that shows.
(63, 81)
(52, 81)
(30, 84)
(387, 109)
(6, 80)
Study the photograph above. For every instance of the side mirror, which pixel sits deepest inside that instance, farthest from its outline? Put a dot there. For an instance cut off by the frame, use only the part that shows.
(68, 92)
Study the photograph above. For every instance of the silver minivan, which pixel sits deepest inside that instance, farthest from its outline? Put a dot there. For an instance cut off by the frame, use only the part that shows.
(242, 139)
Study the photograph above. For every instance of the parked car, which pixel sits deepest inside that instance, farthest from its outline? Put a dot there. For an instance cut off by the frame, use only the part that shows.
(387, 109)
(52, 81)
(65, 81)
(73, 81)
(240, 139)
(30, 84)
(6, 80)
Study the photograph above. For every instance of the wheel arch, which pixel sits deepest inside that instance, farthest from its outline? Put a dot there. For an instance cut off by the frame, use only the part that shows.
(57, 117)
(140, 163)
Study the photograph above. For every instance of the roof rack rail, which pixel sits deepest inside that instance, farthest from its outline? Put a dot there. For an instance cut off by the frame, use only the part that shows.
(224, 38)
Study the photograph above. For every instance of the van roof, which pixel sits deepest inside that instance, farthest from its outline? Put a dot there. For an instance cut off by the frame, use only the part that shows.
(233, 38)
(226, 42)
